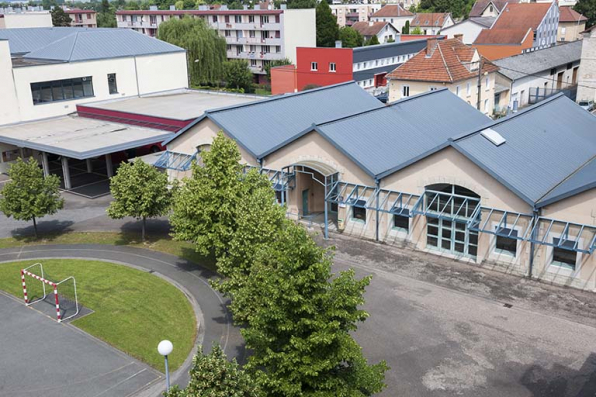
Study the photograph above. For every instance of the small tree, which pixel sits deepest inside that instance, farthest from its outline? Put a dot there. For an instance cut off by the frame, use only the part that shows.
(238, 75)
(28, 195)
(140, 191)
(406, 28)
(588, 9)
(350, 37)
(214, 376)
(416, 30)
(373, 40)
(327, 29)
(59, 17)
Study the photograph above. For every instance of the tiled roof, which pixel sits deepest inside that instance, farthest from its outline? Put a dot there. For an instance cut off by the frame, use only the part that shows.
(522, 16)
(502, 36)
(392, 10)
(429, 19)
(368, 29)
(568, 14)
(445, 64)
(480, 6)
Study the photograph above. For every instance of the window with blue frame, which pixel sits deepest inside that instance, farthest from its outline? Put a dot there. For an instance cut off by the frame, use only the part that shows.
(401, 220)
(504, 244)
(358, 211)
(562, 257)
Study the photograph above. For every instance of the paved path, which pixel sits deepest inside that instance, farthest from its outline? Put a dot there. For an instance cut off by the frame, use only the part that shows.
(216, 324)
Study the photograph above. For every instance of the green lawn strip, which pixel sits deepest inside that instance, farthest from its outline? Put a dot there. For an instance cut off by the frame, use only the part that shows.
(133, 310)
(162, 243)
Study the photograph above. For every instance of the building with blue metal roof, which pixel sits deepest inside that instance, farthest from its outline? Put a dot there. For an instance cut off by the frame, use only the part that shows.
(429, 171)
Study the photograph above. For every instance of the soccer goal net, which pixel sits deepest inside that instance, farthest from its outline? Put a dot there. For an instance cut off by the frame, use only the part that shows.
(38, 287)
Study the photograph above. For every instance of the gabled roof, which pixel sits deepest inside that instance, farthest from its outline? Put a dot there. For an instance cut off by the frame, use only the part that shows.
(446, 63)
(568, 14)
(392, 11)
(486, 22)
(384, 140)
(430, 19)
(370, 28)
(502, 36)
(480, 5)
(522, 16)
(262, 127)
(522, 65)
(81, 44)
(548, 152)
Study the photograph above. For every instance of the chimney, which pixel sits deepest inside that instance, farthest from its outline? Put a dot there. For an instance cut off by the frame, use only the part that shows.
(431, 44)
(459, 36)
(337, 43)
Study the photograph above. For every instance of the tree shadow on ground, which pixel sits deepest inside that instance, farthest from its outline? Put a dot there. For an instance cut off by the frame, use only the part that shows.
(46, 230)
(562, 381)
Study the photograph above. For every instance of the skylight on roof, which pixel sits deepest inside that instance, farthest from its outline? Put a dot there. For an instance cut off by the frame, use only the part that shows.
(493, 136)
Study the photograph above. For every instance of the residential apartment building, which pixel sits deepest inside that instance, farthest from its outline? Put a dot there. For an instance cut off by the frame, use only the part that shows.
(384, 31)
(395, 14)
(257, 36)
(518, 28)
(431, 22)
(82, 18)
(32, 17)
(349, 14)
(446, 64)
(326, 66)
(571, 24)
(46, 72)
(529, 78)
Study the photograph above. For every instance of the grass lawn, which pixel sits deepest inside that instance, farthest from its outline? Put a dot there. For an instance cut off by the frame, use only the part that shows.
(133, 310)
(157, 243)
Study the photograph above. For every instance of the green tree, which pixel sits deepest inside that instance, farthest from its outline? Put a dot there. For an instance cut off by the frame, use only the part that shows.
(106, 17)
(372, 41)
(206, 50)
(327, 29)
(350, 37)
(179, 5)
(214, 376)
(588, 9)
(416, 30)
(300, 320)
(406, 28)
(204, 210)
(132, 5)
(59, 17)
(140, 191)
(235, 5)
(238, 75)
(301, 3)
(28, 196)
(275, 63)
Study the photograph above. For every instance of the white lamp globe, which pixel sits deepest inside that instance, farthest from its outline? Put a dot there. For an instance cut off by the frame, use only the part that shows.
(165, 347)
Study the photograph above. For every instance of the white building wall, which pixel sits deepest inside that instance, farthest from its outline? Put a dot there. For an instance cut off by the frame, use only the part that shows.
(546, 34)
(521, 88)
(9, 109)
(586, 89)
(397, 22)
(298, 30)
(27, 20)
(468, 29)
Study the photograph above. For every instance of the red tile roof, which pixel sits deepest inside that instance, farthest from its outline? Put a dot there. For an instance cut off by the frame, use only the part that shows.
(446, 64)
(502, 36)
(522, 16)
(392, 10)
(429, 19)
(367, 29)
(480, 6)
(568, 14)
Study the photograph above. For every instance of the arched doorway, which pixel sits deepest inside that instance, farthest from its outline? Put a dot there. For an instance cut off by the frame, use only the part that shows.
(448, 209)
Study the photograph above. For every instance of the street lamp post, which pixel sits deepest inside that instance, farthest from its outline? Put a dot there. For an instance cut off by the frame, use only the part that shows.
(164, 348)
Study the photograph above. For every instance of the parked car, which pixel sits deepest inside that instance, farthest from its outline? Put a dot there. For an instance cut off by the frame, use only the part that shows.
(587, 105)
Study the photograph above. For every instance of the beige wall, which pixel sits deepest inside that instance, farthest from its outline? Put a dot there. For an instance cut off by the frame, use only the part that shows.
(299, 30)
(418, 87)
(26, 20)
(570, 31)
(9, 109)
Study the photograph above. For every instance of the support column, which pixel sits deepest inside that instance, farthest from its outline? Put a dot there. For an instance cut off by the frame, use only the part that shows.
(45, 165)
(66, 173)
(89, 165)
(22, 153)
(326, 212)
(109, 166)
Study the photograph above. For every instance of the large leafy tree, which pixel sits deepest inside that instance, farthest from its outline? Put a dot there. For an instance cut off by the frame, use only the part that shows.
(301, 3)
(206, 50)
(350, 37)
(238, 75)
(106, 18)
(139, 191)
(59, 17)
(588, 9)
(29, 196)
(327, 29)
(214, 376)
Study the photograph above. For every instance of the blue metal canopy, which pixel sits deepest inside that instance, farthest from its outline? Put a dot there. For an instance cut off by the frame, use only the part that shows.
(447, 206)
(175, 161)
(566, 235)
(280, 179)
(507, 222)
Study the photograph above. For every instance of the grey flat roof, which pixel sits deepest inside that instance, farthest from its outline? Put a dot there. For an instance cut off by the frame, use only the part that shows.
(387, 50)
(79, 137)
(178, 105)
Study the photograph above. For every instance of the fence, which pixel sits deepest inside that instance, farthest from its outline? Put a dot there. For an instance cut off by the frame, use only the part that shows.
(538, 94)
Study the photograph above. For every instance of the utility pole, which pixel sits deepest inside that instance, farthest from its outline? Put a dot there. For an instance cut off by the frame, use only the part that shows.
(479, 83)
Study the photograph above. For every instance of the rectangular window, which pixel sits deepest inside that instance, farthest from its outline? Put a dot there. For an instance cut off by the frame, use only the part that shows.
(60, 90)
(487, 83)
(457, 90)
(251, 19)
(112, 86)
(401, 222)
(238, 18)
(332, 67)
(253, 48)
(265, 49)
(227, 19)
(251, 33)
(359, 212)
(563, 257)
(468, 89)
(314, 66)
(215, 18)
(253, 63)
(405, 91)
(486, 105)
(264, 19)
(506, 245)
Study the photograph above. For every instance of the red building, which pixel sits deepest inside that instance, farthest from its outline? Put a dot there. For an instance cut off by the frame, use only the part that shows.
(315, 66)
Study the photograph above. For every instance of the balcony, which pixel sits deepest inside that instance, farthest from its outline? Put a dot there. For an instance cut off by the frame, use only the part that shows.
(255, 55)
(137, 24)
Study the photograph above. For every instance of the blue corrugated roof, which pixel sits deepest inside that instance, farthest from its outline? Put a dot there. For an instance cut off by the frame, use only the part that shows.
(386, 140)
(545, 145)
(582, 180)
(261, 127)
(82, 44)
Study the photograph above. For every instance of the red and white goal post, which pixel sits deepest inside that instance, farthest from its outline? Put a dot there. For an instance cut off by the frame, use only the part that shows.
(55, 286)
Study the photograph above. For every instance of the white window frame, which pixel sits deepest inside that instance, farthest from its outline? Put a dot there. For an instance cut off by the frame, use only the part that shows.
(487, 83)
(405, 88)
(552, 267)
(314, 66)
(332, 67)
(468, 90)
